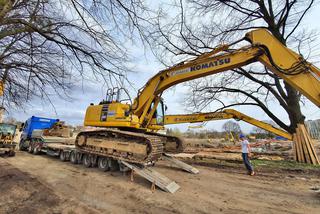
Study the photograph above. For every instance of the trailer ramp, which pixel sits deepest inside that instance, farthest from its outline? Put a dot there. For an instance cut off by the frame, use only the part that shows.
(179, 164)
(154, 177)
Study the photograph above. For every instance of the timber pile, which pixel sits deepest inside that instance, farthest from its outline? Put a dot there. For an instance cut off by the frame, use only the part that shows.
(304, 151)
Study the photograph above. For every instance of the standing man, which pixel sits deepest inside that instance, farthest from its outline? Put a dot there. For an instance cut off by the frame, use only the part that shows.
(245, 147)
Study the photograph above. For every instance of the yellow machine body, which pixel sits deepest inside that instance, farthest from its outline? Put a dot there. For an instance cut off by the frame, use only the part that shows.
(114, 114)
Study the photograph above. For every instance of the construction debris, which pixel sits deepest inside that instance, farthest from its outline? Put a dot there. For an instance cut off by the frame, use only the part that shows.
(304, 151)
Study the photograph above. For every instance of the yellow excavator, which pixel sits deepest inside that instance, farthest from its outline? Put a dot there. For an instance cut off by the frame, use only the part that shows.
(224, 115)
(7, 131)
(128, 130)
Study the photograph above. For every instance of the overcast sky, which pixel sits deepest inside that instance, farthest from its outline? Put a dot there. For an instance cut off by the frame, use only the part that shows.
(73, 111)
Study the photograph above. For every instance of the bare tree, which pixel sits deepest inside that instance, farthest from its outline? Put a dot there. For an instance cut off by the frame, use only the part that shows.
(199, 25)
(232, 127)
(47, 46)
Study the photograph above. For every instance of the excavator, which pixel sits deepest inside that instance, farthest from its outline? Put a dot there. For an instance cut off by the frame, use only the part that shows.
(7, 131)
(224, 115)
(128, 130)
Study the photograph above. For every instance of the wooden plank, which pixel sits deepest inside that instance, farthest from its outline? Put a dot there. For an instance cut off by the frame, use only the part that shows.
(299, 145)
(312, 147)
(308, 144)
(294, 147)
(304, 145)
(155, 177)
(180, 164)
(297, 148)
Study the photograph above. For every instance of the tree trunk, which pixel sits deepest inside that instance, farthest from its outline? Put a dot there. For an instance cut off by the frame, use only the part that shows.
(294, 110)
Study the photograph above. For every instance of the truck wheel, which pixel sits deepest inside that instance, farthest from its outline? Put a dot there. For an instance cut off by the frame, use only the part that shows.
(86, 160)
(63, 156)
(30, 148)
(36, 150)
(22, 146)
(73, 157)
(103, 164)
(113, 164)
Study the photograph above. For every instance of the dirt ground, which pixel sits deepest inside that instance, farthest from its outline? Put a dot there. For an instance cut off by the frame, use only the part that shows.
(42, 184)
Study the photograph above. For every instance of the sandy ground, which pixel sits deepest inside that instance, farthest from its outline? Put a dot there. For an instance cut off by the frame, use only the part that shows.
(38, 184)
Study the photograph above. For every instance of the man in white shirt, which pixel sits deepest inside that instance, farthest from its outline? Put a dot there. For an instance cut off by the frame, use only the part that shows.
(245, 147)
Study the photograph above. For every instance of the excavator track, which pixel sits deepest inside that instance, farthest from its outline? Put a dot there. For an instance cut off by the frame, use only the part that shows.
(128, 146)
(172, 144)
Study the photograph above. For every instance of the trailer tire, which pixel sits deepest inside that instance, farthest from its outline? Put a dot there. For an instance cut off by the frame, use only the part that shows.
(73, 157)
(93, 160)
(79, 157)
(114, 165)
(63, 156)
(87, 160)
(11, 153)
(103, 164)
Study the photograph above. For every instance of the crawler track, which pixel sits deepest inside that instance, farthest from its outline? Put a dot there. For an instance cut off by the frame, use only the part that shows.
(121, 145)
(172, 144)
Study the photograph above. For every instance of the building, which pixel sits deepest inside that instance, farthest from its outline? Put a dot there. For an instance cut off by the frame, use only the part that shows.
(313, 127)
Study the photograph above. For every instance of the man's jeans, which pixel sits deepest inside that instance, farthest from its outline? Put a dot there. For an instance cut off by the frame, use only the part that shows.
(247, 162)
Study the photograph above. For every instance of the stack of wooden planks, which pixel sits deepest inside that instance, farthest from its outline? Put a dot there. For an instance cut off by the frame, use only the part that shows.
(304, 151)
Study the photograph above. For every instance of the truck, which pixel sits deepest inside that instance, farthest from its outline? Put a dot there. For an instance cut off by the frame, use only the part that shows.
(47, 135)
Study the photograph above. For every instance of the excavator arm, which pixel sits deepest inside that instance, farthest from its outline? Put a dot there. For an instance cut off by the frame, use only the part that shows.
(264, 48)
(223, 115)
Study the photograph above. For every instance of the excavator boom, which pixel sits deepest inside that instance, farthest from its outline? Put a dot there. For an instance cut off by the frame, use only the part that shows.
(264, 48)
(223, 115)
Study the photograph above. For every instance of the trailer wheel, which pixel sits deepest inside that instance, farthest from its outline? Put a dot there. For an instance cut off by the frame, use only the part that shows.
(63, 156)
(103, 164)
(11, 153)
(79, 157)
(87, 160)
(67, 156)
(123, 168)
(114, 165)
(93, 160)
(73, 157)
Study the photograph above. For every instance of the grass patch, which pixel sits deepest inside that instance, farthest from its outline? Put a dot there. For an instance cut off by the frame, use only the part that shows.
(284, 164)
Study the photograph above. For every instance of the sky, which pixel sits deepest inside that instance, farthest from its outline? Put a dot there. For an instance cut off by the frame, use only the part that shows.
(73, 111)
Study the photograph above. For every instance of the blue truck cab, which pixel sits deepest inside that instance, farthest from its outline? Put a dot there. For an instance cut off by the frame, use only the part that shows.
(31, 124)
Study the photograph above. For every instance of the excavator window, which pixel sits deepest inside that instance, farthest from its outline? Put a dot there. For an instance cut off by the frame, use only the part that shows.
(7, 129)
(160, 114)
